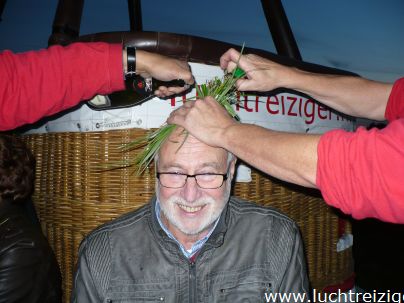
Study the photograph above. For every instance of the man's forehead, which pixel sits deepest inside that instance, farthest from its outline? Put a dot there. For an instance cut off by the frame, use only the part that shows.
(176, 147)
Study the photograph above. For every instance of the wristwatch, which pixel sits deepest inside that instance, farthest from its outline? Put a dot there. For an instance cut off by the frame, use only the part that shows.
(131, 62)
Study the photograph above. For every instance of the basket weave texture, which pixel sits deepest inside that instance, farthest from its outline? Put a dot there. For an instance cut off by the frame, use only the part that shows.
(73, 195)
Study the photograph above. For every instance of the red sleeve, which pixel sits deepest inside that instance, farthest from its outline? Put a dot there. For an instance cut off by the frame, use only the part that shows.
(362, 173)
(395, 105)
(40, 83)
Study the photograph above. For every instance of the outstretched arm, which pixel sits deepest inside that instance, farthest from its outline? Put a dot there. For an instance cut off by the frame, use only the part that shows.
(360, 173)
(351, 95)
(40, 83)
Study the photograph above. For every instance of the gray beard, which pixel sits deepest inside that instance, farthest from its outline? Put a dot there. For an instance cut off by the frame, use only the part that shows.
(169, 215)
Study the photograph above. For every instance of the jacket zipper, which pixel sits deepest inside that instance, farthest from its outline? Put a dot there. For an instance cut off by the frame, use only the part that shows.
(192, 282)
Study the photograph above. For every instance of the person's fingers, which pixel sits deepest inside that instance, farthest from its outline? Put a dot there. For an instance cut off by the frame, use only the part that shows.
(161, 92)
(175, 118)
(231, 66)
(178, 115)
(230, 56)
(173, 90)
(207, 99)
(164, 91)
(224, 60)
(182, 110)
(247, 85)
(188, 104)
(241, 84)
(186, 74)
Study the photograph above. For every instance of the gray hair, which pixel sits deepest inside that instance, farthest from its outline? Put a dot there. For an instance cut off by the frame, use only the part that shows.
(230, 157)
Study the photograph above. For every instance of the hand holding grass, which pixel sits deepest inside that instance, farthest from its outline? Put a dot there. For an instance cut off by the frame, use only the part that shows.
(261, 74)
(209, 119)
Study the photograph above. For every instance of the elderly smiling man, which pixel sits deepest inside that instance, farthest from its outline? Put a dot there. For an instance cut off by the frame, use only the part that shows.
(193, 243)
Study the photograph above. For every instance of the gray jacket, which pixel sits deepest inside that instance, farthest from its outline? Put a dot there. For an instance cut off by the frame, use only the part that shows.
(253, 251)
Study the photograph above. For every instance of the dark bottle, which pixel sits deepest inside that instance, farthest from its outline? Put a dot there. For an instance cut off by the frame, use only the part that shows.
(138, 90)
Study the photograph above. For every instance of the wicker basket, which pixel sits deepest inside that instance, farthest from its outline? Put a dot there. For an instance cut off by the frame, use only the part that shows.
(73, 196)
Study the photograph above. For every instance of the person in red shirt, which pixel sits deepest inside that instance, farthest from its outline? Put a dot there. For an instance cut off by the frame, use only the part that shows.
(36, 84)
(359, 172)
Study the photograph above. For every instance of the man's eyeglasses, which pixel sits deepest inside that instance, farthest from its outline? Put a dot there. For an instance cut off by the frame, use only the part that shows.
(178, 180)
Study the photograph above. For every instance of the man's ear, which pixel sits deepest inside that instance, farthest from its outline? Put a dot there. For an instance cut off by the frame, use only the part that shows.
(232, 167)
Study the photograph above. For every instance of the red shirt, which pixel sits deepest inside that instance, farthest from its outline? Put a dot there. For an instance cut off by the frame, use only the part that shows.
(40, 83)
(362, 173)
